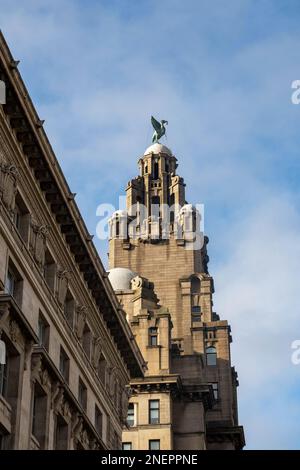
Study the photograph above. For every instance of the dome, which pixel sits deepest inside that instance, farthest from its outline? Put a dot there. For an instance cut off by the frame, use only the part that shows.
(120, 278)
(158, 148)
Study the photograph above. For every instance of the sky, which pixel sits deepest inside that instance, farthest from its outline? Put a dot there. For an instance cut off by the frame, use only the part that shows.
(221, 73)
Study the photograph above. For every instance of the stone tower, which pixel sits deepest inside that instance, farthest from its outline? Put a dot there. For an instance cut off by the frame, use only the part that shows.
(158, 242)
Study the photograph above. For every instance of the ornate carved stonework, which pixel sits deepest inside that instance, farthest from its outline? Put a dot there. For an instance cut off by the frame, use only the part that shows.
(96, 351)
(84, 438)
(63, 276)
(8, 185)
(112, 381)
(45, 378)
(15, 332)
(80, 320)
(4, 312)
(66, 410)
(56, 396)
(38, 235)
(36, 367)
(77, 425)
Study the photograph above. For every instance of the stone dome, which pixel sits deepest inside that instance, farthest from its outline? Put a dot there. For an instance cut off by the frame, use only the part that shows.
(120, 278)
(158, 148)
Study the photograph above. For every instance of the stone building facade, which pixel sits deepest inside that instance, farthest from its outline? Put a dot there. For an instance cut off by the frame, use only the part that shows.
(67, 353)
(159, 269)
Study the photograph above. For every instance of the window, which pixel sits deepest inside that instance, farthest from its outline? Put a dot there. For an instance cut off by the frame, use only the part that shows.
(215, 390)
(10, 283)
(61, 434)
(211, 356)
(21, 218)
(196, 309)
(155, 171)
(153, 411)
(43, 332)
(4, 377)
(196, 315)
(210, 334)
(64, 364)
(86, 340)
(130, 415)
(154, 444)
(69, 309)
(82, 394)
(98, 420)
(153, 337)
(127, 446)
(39, 414)
(14, 283)
(50, 270)
(9, 373)
(4, 440)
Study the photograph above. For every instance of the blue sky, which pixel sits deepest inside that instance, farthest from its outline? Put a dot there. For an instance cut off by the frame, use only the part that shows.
(220, 73)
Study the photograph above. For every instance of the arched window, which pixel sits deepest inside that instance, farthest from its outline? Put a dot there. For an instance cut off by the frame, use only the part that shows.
(211, 356)
(155, 171)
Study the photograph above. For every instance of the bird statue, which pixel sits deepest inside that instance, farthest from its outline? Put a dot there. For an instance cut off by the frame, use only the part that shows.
(159, 129)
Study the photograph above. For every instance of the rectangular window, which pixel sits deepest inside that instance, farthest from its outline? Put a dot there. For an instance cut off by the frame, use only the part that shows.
(215, 390)
(196, 317)
(10, 283)
(153, 411)
(61, 434)
(153, 337)
(4, 378)
(82, 394)
(64, 364)
(196, 309)
(211, 356)
(154, 444)
(43, 332)
(39, 414)
(14, 283)
(21, 218)
(130, 415)
(98, 420)
(127, 446)
(4, 440)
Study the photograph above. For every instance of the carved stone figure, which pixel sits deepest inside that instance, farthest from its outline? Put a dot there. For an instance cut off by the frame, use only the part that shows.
(63, 276)
(38, 235)
(96, 351)
(8, 185)
(80, 320)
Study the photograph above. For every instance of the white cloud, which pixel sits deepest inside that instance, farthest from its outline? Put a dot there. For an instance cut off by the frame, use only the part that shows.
(257, 290)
